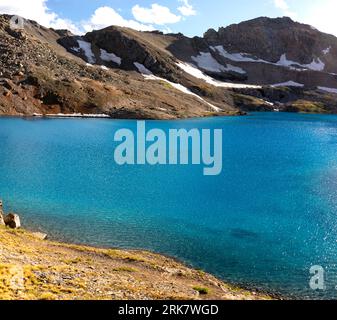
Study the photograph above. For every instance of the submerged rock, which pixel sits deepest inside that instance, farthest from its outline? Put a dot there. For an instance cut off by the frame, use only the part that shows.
(12, 220)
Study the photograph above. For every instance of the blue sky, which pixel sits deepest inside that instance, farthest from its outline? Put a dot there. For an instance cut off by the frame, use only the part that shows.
(210, 13)
(191, 17)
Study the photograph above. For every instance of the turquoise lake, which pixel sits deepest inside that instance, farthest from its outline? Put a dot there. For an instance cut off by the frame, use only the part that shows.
(262, 223)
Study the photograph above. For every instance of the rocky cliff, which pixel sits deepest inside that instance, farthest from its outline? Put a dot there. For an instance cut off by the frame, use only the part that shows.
(278, 50)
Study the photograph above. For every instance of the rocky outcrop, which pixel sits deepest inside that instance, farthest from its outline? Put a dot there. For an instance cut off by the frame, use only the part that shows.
(40, 235)
(269, 39)
(10, 220)
(275, 51)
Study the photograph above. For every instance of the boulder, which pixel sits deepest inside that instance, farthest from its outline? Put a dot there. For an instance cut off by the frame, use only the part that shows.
(12, 220)
(40, 235)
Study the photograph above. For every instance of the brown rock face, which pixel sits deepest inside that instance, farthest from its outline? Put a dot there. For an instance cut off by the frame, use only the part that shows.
(280, 50)
(147, 48)
(268, 39)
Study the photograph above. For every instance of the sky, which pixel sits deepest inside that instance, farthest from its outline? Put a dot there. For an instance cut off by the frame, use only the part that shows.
(191, 17)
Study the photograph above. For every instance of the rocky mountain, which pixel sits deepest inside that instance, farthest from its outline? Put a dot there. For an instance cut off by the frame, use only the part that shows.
(277, 50)
(262, 64)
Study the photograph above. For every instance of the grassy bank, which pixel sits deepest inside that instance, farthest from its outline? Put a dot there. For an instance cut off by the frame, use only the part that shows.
(31, 268)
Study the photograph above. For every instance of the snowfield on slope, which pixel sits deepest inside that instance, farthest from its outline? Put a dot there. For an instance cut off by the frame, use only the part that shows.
(288, 84)
(86, 47)
(206, 61)
(110, 57)
(72, 115)
(195, 72)
(326, 89)
(148, 75)
(316, 65)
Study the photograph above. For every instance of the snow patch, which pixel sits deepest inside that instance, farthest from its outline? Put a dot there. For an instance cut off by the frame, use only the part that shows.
(195, 72)
(110, 57)
(326, 89)
(142, 69)
(268, 102)
(104, 68)
(238, 57)
(86, 47)
(285, 62)
(148, 75)
(327, 50)
(316, 64)
(72, 115)
(235, 69)
(206, 61)
(288, 84)
(75, 49)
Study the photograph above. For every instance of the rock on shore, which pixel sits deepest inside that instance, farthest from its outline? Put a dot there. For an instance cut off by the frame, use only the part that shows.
(11, 220)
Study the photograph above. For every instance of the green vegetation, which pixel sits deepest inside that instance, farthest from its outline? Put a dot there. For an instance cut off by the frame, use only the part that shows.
(166, 85)
(201, 290)
(250, 103)
(124, 269)
(305, 106)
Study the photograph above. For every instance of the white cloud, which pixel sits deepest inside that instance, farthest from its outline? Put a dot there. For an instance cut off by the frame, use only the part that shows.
(322, 15)
(187, 9)
(157, 14)
(36, 10)
(283, 5)
(145, 18)
(106, 16)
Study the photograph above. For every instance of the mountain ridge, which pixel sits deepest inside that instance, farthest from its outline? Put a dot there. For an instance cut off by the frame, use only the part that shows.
(255, 65)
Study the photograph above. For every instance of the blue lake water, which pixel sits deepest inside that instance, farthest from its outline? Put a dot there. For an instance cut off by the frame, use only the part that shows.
(262, 223)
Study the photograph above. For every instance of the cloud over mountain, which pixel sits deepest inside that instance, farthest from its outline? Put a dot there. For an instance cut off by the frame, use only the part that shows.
(37, 10)
(156, 14)
(106, 16)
